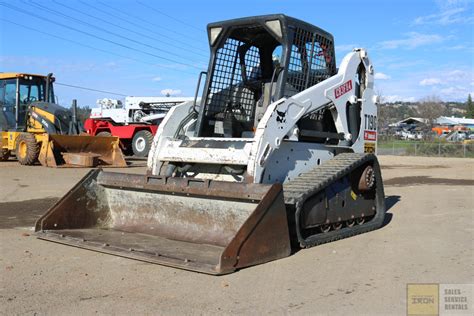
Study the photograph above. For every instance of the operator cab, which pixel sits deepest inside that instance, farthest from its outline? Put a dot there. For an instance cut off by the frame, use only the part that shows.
(254, 62)
(17, 92)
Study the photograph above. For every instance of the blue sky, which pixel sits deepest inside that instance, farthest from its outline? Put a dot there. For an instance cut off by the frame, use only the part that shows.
(419, 48)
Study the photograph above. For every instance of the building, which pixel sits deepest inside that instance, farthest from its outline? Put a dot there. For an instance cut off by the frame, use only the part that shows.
(410, 121)
(455, 122)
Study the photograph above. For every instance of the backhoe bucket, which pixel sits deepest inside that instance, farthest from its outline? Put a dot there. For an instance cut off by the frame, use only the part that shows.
(208, 226)
(81, 151)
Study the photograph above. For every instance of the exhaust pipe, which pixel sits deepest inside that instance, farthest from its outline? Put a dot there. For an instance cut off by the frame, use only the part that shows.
(47, 90)
(74, 128)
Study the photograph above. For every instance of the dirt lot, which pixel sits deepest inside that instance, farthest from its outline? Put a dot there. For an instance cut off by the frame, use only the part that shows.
(428, 238)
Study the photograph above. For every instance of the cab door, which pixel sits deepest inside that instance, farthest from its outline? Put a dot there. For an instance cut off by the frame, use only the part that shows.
(8, 104)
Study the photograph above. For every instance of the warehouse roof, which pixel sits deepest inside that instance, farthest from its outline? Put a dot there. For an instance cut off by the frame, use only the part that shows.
(446, 120)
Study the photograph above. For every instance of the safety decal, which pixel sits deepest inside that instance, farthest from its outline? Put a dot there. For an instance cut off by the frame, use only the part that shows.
(370, 135)
(369, 148)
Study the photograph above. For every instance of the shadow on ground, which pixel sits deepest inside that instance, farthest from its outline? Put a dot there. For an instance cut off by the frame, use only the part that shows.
(23, 213)
(390, 201)
(425, 180)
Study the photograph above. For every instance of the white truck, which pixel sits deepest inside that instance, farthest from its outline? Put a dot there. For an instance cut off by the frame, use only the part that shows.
(134, 121)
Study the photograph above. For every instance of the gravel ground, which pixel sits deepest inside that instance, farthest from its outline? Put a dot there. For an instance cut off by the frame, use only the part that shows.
(428, 238)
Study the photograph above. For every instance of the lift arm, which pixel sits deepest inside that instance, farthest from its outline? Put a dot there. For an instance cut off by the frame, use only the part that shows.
(281, 117)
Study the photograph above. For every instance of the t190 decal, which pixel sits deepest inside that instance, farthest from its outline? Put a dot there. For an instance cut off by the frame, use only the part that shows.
(370, 122)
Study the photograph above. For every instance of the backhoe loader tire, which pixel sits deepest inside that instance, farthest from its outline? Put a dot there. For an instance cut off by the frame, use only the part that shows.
(27, 149)
(104, 134)
(4, 154)
(141, 143)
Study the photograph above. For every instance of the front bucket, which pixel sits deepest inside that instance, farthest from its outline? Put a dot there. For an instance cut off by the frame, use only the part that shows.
(208, 226)
(81, 151)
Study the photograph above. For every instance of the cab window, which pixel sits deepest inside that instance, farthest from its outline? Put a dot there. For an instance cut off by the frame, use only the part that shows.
(7, 104)
(31, 91)
(10, 92)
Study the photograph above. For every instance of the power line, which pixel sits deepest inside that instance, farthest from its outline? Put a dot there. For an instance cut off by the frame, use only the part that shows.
(146, 21)
(128, 16)
(41, 7)
(169, 16)
(72, 41)
(95, 36)
(84, 45)
(89, 89)
(128, 29)
(80, 44)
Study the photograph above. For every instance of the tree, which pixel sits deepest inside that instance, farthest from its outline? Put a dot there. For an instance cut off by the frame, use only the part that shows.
(430, 108)
(469, 107)
(383, 115)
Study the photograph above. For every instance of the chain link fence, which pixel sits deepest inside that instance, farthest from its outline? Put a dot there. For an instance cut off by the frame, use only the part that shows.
(427, 149)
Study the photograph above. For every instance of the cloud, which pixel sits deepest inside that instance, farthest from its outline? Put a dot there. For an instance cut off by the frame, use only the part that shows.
(449, 79)
(430, 82)
(457, 75)
(395, 98)
(455, 92)
(381, 76)
(170, 92)
(445, 17)
(156, 79)
(450, 84)
(450, 3)
(457, 47)
(111, 64)
(45, 65)
(412, 40)
(449, 12)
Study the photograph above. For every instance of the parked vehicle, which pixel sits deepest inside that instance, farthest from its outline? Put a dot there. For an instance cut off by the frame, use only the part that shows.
(34, 128)
(134, 122)
(456, 136)
(411, 135)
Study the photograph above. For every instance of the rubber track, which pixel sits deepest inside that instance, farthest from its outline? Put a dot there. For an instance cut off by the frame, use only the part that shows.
(297, 191)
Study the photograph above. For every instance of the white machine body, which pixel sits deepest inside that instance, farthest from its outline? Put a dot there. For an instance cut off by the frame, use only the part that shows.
(274, 153)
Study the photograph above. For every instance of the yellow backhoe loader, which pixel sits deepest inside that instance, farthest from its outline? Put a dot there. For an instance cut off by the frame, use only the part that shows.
(34, 127)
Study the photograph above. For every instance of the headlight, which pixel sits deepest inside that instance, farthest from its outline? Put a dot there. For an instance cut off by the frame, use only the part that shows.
(214, 33)
(275, 27)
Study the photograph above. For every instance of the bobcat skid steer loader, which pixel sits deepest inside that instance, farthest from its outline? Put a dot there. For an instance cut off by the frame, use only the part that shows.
(278, 154)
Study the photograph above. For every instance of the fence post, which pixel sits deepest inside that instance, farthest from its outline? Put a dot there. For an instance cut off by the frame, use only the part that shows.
(439, 149)
(393, 148)
(415, 149)
(464, 150)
